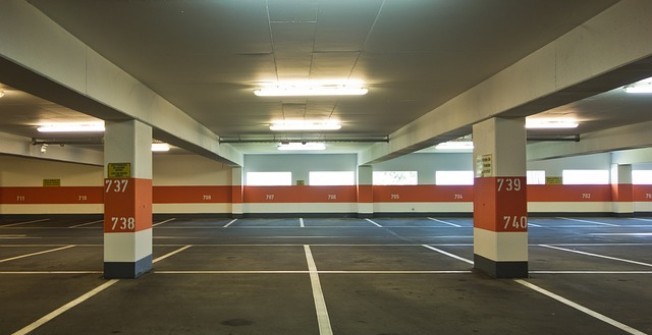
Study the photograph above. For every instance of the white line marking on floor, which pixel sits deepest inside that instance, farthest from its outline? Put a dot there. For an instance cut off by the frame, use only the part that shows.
(20, 223)
(375, 223)
(37, 253)
(580, 308)
(57, 312)
(50, 316)
(209, 272)
(301, 223)
(320, 303)
(533, 225)
(591, 272)
(48, 272)
(448, 254)
(595, 255)
(589, 221)
(11, 237)
(445, 222)
(230, 223)
(85, 224)
(172, 253)
(162, 222)
(641, 219)
(622, 234)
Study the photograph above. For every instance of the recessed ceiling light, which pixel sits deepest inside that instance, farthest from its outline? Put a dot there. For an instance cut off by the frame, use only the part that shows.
(643, 86)
(2, 93)
(298, 88)
(559, 123)
(305, 125)
(72, 127)
(302, 146)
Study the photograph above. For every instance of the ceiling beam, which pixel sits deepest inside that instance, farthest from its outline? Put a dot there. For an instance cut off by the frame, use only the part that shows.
(23, 146)
(607, 51)
(41, 58)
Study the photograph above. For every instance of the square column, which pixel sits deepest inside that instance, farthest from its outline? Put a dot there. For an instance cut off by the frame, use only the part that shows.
(622, 195)
(365, 191)
(127, 199)
(237, 192)
(500, 238)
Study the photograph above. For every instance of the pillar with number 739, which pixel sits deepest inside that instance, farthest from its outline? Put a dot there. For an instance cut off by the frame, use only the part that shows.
(127, 199)
(500, 224)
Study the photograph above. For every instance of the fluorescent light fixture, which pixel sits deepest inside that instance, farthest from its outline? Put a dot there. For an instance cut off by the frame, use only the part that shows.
(301, 88)
(72, 127)
(560, 123)
(2, 93)
(643, 86)
(302, 146)
(302, 125)
(160, 147)
(455, 145)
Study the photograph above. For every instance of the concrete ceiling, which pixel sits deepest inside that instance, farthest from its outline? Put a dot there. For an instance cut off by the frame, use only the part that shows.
(207, 57)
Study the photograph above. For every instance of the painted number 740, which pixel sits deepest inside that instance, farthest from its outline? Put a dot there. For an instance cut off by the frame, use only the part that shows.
(515, 222)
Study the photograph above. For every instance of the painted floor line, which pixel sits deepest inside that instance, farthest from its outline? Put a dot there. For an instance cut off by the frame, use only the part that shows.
(52, 315)
(57, 312)
(373, 272)
(589, 272)
(374, 222)
(37, 253)
(641, 219)
(162, 222)
(172, 253)
(21, 223)
(85, 224)
(444, 222)
(301, 223)
(595, 255)
(48, 272)
(447, 254)
(622, 234)
(320, 302)
(533, 225)
(581, 308)
(230, 223)
(589, 221)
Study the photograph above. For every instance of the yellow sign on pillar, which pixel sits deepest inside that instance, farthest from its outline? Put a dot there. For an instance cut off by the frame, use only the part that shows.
(119, 170)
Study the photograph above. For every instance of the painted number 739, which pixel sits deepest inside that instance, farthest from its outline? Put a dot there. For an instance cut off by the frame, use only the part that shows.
(508, 184)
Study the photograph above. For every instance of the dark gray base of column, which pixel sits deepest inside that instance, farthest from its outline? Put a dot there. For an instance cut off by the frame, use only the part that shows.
(127, 270)
(500, 269)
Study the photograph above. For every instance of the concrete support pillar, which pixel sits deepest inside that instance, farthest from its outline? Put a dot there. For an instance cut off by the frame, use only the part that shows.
(237, 192)
(500, 239)
(622, 196)
(365, 191)
(127, 199)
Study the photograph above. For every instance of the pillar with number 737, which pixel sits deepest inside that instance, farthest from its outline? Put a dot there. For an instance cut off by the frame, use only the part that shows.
(127, 199)
(500, 223)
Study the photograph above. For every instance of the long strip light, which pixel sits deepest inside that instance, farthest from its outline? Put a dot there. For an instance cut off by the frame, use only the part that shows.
(304, 125)
(644, 86)
(160, 147)
(302, 146)
(72, 127)
(455, 145)
(312, 88)
(559, 123)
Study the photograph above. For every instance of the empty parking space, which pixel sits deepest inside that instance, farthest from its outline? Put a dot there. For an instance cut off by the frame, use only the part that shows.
(312, 275)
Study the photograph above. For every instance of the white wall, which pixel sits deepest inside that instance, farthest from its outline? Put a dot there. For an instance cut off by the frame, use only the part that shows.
(18, 171)
(426, 164)
(554, 167)
(189, 170)
(300, 165)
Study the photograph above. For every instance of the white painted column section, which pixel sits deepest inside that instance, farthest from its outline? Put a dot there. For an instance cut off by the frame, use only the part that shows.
(237, 192)
(127, 199)
(500, 239)
(365, 191)
(621, 190)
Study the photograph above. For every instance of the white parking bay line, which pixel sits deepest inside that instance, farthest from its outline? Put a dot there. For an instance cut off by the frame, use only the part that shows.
(580, 308)
(320, 303)
(374, 222)
(85, 224)
(301, 223)
(444, 222)
(595, 255)
(57, 312)
(589, 221)
(21, 223)
(162, 222)
(36, 253)
(230, 223)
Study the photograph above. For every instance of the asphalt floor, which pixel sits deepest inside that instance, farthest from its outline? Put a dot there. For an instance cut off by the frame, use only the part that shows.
(380, 276)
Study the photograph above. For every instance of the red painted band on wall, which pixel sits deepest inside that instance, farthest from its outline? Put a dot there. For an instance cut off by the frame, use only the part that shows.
(51, 195)
(127, 205)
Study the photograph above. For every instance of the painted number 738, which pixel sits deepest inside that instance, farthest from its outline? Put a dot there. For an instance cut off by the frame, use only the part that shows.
(123, 223)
